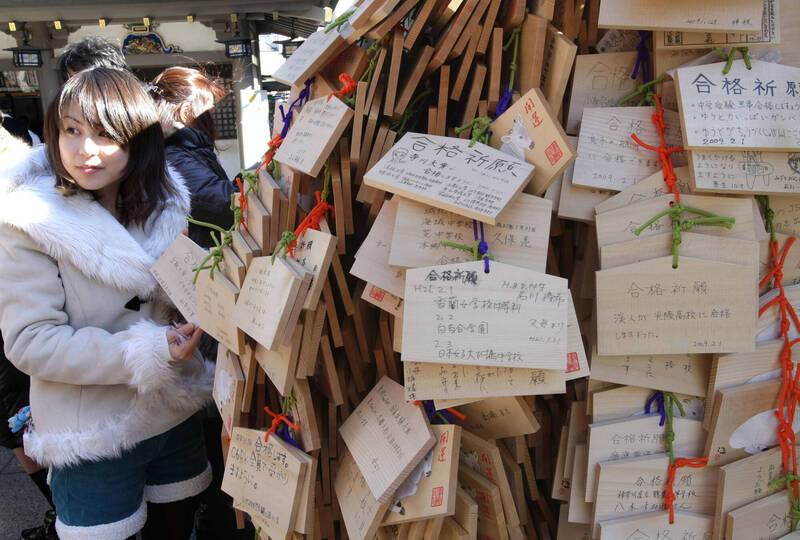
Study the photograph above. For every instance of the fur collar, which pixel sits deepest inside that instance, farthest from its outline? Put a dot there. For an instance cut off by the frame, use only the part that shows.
(79, 230)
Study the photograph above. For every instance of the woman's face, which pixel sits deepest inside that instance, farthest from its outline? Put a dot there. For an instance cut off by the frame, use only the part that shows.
(93, 160)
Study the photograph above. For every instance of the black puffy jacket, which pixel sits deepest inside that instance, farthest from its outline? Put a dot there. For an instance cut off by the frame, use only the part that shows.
(191, 154)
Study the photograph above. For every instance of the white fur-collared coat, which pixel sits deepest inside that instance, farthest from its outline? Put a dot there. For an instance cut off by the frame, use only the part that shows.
(102, 378)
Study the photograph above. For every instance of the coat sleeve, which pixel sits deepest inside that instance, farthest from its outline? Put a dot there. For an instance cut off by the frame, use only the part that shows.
(40, 341)
(208, 185)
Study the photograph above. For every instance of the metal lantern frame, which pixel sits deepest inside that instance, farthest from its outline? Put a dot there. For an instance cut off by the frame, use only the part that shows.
(26, 56)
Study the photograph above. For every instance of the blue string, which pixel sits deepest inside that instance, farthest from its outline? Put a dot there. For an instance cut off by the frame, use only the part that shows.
(285, 434)
(483, 247)
(642, 58)
(505, 101)
(658, 398)
(302, 98)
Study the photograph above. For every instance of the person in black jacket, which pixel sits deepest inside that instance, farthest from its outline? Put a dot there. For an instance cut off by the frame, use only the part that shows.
(186, 98)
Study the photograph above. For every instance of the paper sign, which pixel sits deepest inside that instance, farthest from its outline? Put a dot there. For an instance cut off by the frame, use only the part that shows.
(519, 238)
(745, 172)
(770, 33)
(682, 373)
(228, 387)
(744, 481)
(510, 317)
(755, 109)
(637, 486)
(216, 302)
(435, 493)
(477, 182)
(622, 439)
(387, 437)
(265, 479)
(372, 258)
(362, 514)
(314, 134)
(499, 417)
(174, 271)
(448, 381)
(268, 296)
(310, 57)
(608, 158)
(600, 80)
(652, 308)
(530, 130)
(708, 16)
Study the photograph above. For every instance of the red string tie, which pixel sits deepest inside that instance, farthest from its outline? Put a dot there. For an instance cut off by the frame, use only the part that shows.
(310, 222)
(349, 86)
(276, 422)
(273, 145)
(669, 500)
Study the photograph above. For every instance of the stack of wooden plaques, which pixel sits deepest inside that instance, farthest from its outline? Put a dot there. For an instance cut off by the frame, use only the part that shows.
(418, 367)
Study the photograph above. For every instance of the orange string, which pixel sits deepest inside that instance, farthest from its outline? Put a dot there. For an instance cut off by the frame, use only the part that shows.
(664, 152)
(679, 462)
(310, 222)
(349, 86)
(790, 391)
(459, 415)
(273, 145)
(276, 421)
(242, 201)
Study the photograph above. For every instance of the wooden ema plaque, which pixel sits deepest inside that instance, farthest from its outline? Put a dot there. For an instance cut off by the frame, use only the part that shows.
(608, 158)
(637, 486)
(216, 303)
(519, 238)
(559, 55)
(448, 381)
(174, 271)
(314, 251)
(228, 389)
(756, 109)
(509, 317)
(500, 417)
(600, 80)
(529, 130)
(622, 439)
(770, 517)
(770, 33)
(477, 182)
(681, 373)
(321, 120)
(687, 15)
(372, 258)
(627, 401)
(281, 365)
(652, 308)
(720, 171)
(744, 481)
(387, 437)
(646, 189)
(362, 514)
(310, 57)
(267, 299)
(435, 493)
(657, 525)
(265, 479)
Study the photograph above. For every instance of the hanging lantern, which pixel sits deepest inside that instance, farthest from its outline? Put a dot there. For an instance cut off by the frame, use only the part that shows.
(26, 56)
(237, 46)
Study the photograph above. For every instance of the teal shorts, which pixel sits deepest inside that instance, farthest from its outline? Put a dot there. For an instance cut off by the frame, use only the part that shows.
(107, 499)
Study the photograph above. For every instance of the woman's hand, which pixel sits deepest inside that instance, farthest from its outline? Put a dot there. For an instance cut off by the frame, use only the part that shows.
(183, 340)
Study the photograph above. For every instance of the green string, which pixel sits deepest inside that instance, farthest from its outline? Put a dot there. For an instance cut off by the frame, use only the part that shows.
(287, 237)
(678, 226)
(728, 57)
(401, 124)
(513, 38)
(647, 93)
(326, 187)
(670, 402)
(480, 130)
(340, 20)
(216, 255)
(769, 215)
(287, 403)
(476, 254)
(373, 51)
(274, 169)
(252, 181)
(794, 502)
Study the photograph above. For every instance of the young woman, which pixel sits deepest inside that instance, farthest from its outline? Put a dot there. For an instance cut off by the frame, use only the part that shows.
(114, 389)
(185, 98)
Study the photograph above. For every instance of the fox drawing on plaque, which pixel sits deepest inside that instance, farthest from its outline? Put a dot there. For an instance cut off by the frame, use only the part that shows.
(517, 141)
(755, 169)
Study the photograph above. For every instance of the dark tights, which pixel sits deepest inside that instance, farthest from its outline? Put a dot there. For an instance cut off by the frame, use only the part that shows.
(169, 521)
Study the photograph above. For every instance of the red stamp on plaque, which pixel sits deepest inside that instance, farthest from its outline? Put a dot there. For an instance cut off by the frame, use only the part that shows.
(573, 364)
(437, 496)
(553, 153)
(377, 293)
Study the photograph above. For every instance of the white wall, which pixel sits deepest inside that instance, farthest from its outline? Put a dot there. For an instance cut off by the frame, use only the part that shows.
(6, 41)
(228, 155)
